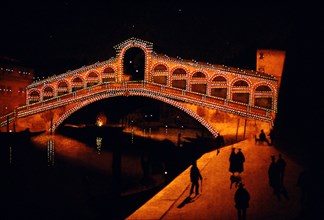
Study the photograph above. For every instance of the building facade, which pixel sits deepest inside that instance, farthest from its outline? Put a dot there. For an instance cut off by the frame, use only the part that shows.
(14, 78)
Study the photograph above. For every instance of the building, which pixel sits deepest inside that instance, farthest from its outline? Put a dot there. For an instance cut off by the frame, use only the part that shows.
(270, 61)
(14, 78)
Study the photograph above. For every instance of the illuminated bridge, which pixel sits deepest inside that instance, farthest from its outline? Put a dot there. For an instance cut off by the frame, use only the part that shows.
(212, 94)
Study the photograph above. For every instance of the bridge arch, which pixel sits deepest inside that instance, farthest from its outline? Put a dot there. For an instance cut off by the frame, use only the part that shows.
(63, 87)
(241, 91)
(160, 67)
(142, 93)
(218, 78)
(34, 95)
(179, 71)
(160, 74)
(123, 51)
(109, 74)
(199, 75)
(48, 92)
(263, 95)
(77, 82)
(93, 77)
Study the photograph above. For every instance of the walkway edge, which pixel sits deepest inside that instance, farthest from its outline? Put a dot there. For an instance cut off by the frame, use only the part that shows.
(164, 200)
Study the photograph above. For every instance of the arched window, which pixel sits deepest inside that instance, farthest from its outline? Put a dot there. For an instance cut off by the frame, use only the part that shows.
(77, 84)
(48, 93)
(92, 79)
(108, 70)
(241, 83)
(62, 88)
(34, 96)
(263, 88)
(198, 75)
(179, 71)
(160, 67)
(219, 79)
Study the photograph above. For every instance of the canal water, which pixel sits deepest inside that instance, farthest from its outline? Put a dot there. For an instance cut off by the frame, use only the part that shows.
(91, 172)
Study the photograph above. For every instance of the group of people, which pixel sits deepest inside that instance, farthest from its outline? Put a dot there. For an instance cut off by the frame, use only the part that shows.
(236, 160)
(276, 173)
(242, 197)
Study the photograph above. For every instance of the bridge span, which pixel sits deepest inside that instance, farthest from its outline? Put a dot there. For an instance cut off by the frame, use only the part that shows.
(212, 94)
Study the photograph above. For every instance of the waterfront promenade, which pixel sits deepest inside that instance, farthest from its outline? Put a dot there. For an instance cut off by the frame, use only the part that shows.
(216, 200)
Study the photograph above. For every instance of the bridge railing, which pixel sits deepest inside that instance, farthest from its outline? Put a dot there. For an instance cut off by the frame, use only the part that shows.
(5, 118)
(212, 100)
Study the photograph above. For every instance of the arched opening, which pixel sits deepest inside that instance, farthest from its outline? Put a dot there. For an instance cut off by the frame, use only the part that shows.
(34, 97)
(77, 84)
(48, 93)
(92, 79)
(179, 72)
(198, 75)
(62, 88)
(134, 64)
(160, 68)
(264, 98)
(108, 75)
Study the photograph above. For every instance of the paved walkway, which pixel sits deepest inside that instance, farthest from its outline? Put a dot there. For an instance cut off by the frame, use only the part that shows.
(217, 199)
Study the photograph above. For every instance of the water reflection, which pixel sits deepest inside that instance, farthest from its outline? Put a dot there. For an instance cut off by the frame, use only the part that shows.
(89, 173)
(50, 152)
(10, 154)
(99, 142)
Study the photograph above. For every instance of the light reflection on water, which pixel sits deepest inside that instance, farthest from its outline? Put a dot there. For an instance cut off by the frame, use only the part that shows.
(50, 152)
(100, 159)
(62, 176)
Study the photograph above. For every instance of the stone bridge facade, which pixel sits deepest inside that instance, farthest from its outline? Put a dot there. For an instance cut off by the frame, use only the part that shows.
(215, 95)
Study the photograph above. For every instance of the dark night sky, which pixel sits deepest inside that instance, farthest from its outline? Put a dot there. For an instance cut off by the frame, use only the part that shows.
(55, 36)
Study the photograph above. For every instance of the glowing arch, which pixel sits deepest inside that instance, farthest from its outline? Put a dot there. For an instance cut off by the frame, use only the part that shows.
(142, 93)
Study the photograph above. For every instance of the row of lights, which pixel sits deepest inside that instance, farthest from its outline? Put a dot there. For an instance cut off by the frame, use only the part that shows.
(151, 94)
(66, 88)
(120, 91)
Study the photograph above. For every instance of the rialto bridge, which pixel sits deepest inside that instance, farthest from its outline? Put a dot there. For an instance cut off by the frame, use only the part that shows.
(215, 95)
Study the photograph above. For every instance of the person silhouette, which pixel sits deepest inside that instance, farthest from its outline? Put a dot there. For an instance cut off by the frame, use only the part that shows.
(242, 199)
(263, 137)
(195, 176)
(271, 136)
(281, 164)
(240, 159)
(274, 177)
(233, 161)
(219, 142)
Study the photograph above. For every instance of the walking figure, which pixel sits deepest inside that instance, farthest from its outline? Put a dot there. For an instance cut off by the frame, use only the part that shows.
(240, 159)
(195, 176)
(233, 161)
(242, 199)
(281, 163)
(219, 142)
(271, 136)
(274, 177)
(263, 137)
